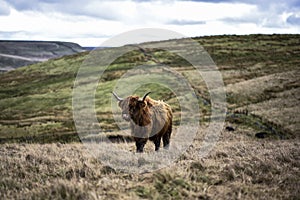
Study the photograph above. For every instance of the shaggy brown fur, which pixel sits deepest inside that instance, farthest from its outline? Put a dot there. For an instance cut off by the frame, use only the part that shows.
(149, 119)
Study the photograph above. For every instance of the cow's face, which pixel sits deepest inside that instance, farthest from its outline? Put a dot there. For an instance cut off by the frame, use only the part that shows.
(124, 105)
(132, 107)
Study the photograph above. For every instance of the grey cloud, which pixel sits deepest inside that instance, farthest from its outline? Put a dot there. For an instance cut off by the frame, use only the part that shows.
(268, 13)
(186, 22)
(211, 1)
(79, 6)
(89, 8)
(267, 16)
(255, 2)
(235, 20)
(294, 20)
(260, 20)
(22, 5)
(263, 5)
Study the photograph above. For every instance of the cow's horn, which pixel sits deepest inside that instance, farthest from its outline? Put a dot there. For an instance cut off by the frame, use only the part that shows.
(146, 96)
(117, 97)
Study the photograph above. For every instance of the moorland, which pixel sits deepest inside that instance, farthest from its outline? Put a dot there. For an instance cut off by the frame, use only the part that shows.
(257, 155)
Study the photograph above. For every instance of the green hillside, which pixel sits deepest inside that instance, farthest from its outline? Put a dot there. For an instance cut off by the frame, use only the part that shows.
(261, 74)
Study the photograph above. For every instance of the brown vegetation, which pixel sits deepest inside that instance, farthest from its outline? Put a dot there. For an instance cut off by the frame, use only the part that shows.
(240, 167)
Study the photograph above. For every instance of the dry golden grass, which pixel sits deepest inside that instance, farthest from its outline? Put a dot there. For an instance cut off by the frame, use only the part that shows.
(239, 167)
(274, 97)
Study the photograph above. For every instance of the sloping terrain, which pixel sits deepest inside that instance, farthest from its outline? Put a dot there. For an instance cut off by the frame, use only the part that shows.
(257, 156)
(14, 54)
(259, 71)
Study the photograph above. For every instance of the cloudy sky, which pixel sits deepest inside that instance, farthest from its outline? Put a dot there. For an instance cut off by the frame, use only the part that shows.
(90, 22)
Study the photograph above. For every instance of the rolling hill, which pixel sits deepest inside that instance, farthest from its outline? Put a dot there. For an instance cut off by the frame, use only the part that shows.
(259, 72)
(14, 54)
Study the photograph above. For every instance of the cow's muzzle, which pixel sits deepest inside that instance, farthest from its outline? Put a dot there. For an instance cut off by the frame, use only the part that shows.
(126, 116)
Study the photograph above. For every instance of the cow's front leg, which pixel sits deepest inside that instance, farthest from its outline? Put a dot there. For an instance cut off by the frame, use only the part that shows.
(140, 144)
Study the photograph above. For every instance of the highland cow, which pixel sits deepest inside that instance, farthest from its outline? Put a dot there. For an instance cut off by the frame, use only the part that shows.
(148, 118)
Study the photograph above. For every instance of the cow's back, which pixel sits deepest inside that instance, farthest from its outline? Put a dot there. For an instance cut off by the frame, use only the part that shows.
(161, 116)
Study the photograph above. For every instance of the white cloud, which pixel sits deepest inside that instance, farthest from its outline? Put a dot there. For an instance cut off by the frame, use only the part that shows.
(91, 22)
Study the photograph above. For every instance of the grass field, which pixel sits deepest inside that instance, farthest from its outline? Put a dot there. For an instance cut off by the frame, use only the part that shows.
(257, 156)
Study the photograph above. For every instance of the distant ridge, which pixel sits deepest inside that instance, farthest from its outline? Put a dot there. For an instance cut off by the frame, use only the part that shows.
(89, 48)
(18, 53)
(92, 48)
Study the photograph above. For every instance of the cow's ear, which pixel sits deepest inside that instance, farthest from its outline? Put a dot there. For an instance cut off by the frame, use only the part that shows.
(120, 103)
(142, 104)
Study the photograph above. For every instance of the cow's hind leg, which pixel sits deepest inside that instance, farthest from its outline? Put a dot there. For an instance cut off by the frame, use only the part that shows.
(166, 138)
(157, 142)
